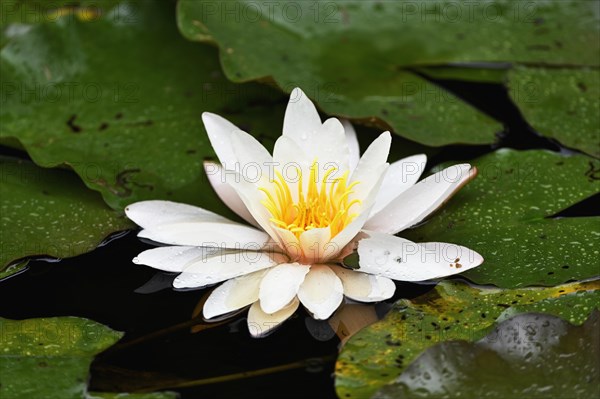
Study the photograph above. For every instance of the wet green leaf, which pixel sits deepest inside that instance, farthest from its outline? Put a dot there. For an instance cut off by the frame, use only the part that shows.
(506, 215)
(50, 212)
(560, 103)
(13, 269)
(50, 358)
(352, 68)
(119, 99)
(357, 58)
(529, 355)
(452, 311)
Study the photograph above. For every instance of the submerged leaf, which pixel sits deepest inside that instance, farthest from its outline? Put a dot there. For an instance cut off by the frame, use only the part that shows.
(453, 310)
(529, 355)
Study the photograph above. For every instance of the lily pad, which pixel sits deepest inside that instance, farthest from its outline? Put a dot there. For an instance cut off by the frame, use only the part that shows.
(529, 355)
(357, 58)
(560, 103)
(50, 358)
(506, 215)
(345, 73)
(119, 100)
(50, 212)
(453, 310)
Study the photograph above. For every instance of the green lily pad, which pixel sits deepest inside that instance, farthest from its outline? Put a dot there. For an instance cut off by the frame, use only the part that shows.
(560, 103)
(50, 212)
(529, 355)
(506, 215)
(453, 310)
(357, 58)
(50, 358)
(119, 100)
(354, 69)
(13, 269)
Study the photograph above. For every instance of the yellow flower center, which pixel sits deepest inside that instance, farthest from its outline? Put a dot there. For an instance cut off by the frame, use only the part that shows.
(321, 206)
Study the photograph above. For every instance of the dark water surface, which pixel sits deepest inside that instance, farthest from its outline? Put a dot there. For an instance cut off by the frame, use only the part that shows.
(101, 286)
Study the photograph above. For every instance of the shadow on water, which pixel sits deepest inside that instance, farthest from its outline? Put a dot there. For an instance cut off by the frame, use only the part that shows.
(100, 286)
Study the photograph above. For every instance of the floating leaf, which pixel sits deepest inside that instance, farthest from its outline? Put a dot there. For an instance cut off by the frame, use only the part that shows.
(50, 358)
(50, 212)
(358, 58)
(337, 66)
(506, 215)
(529, 355)
(119, 99)
(451, 311)
(560, 103)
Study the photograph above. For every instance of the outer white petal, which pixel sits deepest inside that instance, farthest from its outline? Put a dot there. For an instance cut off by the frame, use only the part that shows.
(280, 285)
(220, 268)
(364, 287)
(226, 193)
(153, 213)
(400, 259)
(261, 323)
(301, 121)
(420, 200)
(219, 132)
(400, 176)
(352, 142)
(175, 258)
(233, 294)
(371, 166)
(226, 235)
(321, 292)
(255, 162)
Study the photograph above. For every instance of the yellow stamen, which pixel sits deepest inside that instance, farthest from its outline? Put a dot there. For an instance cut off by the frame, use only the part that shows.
(324, 203)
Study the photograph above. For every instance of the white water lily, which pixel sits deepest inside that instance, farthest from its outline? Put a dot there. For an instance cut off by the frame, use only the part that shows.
(310, 204)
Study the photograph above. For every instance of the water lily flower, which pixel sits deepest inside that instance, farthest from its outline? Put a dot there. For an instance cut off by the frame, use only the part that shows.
(309, 206)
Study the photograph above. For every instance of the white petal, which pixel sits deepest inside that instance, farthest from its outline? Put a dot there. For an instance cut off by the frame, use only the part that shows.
(175, 258)
(301, 121)
(353, 146)
(233, 294)
(400, 259)
(321, 292)
(364, 287)
(153, 213)
(400, 176)
(226, 193)
(220, 268)
(337, 244)
(420, 200)
(330, 147)
(219, 132)
(371, 166)
(226, 235)
(261, 323)
(252, 197)
(280, 285)
(315, 244)
(255, 162)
